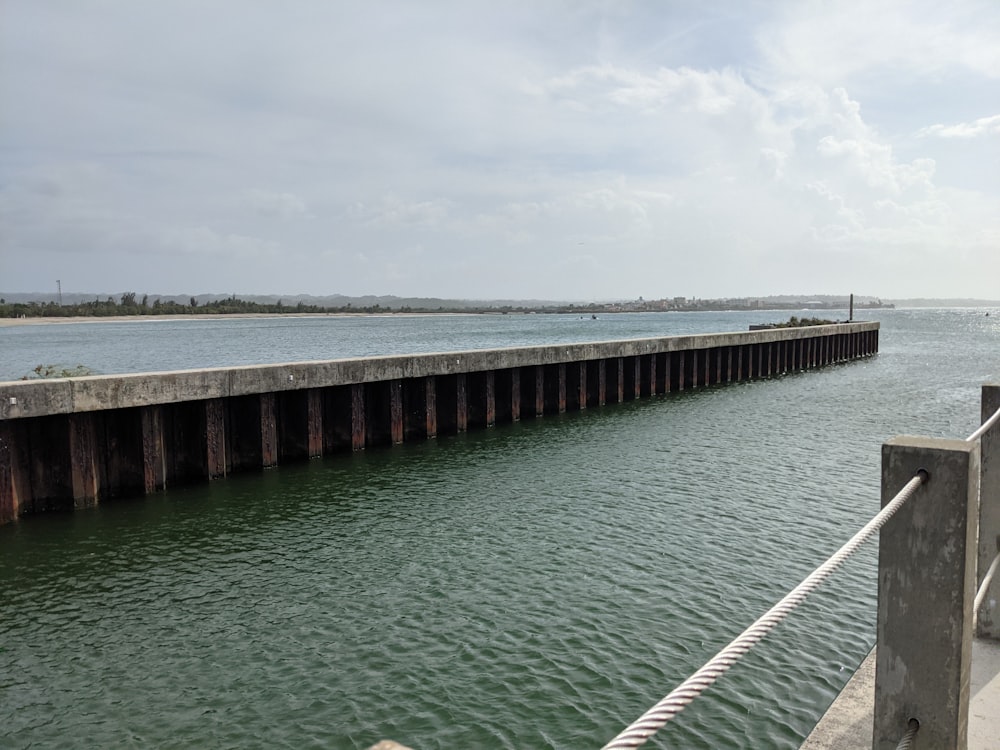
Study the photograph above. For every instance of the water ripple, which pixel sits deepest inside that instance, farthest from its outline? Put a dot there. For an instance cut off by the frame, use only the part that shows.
(535, 586)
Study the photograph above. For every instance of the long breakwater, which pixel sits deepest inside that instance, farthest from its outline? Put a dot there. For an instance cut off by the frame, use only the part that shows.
(71, 443)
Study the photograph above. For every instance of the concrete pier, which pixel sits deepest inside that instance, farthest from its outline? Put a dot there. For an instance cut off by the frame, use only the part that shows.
(71, 443)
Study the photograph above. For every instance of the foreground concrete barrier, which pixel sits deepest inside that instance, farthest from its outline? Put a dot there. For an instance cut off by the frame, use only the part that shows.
(70, 443)
(934, 557)
(926, 585)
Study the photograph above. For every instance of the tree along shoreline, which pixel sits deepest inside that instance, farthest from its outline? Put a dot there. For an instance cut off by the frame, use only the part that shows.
(129, 307)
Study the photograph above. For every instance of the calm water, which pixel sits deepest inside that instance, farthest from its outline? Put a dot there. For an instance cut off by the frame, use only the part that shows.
(534, 586)
(149, 345)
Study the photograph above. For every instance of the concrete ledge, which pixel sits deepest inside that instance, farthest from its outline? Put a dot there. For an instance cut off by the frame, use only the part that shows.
(21, 399)
(847, 724)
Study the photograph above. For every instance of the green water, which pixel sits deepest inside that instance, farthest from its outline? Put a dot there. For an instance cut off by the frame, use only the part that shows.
(533, 586)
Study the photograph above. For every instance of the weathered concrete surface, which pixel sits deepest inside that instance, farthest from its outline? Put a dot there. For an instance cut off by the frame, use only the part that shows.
(926, 584)
(33, 398)
(989, 516)
(847, 724)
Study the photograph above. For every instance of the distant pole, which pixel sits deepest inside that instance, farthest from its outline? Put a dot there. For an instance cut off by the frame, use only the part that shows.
(59, 287)
(851, 315)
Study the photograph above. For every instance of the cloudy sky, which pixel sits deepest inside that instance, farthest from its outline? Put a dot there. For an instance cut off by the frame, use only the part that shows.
(552, 149)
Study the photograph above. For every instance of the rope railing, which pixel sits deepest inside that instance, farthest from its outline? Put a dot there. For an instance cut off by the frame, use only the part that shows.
(988, 578)
(906, 742)
(636, 734)
(983, 588)
(984, 428)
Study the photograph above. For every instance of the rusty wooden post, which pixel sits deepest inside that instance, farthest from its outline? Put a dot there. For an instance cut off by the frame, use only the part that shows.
(9, 501)
(539, 390)
(83, 459)
(358, 426)
(515, 394)
(461, 402)
(314, 422)
(561, 385)
(268, 431)
(153, 456)
(430, 396)
(215, 438)
(491, 398)
(396, 411)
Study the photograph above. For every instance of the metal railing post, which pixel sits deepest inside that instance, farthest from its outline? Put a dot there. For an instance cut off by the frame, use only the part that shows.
(988, 625)
(926, 585)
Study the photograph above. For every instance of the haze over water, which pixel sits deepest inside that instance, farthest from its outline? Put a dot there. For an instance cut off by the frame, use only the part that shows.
(536, 585)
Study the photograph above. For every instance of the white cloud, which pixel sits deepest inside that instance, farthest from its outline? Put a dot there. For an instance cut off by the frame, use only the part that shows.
(205, 241)
(390, 210)
(276, 204)
(984, 126)
(478, 150)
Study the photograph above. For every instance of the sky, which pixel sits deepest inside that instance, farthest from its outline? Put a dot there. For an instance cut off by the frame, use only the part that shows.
(545, 149)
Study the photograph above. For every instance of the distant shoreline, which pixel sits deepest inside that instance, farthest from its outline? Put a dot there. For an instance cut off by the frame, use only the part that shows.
(8, 322)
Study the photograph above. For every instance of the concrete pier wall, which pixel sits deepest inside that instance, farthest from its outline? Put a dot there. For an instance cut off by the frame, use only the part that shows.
(70, 443)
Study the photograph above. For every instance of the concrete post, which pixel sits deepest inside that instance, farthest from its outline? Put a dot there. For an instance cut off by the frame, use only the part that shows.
(988, 625)
(926, 578)
(602, 382)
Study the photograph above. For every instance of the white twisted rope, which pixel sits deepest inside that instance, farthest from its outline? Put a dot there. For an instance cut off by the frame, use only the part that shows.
(655, 718)
(984, 428)
(906, 742)
(981, 594)
(983, 588)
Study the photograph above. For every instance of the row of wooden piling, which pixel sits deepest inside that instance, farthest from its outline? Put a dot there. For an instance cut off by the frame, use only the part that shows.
(71, 445)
